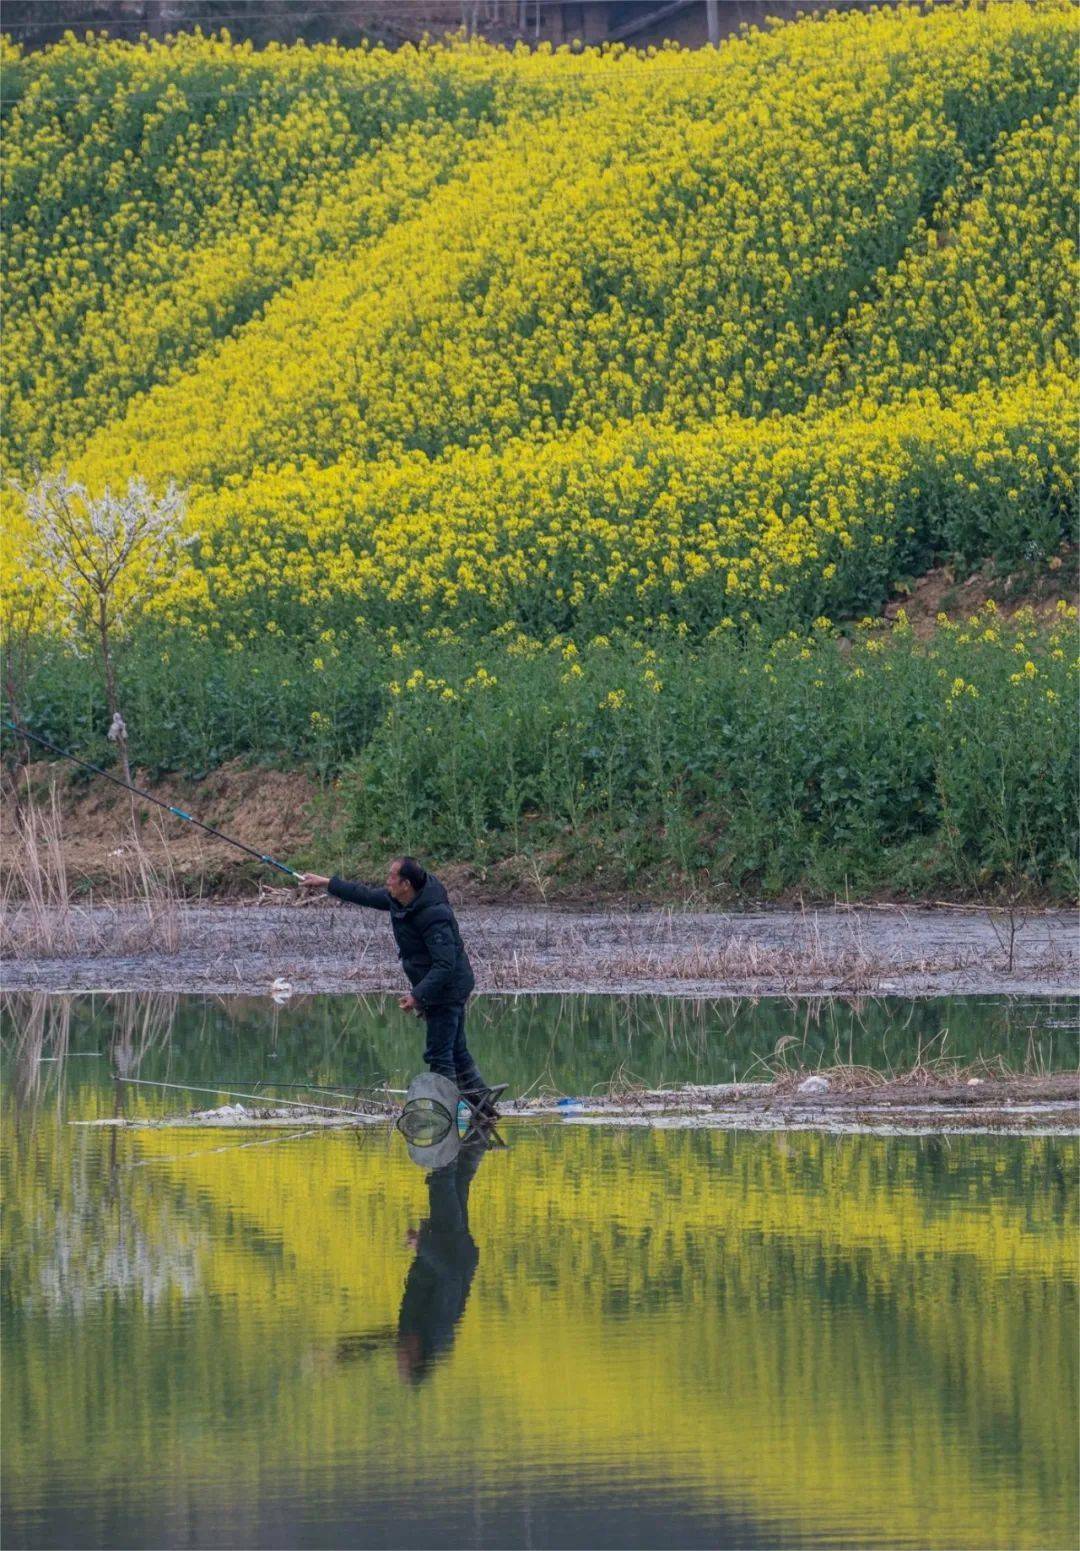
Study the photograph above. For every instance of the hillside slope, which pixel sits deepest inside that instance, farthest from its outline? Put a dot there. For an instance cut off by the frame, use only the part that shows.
(563, 339)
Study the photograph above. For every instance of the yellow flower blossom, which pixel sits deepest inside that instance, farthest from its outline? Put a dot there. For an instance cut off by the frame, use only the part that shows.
(455, 337)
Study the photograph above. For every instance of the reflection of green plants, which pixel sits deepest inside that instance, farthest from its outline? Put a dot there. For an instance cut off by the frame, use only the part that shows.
(566, 1043)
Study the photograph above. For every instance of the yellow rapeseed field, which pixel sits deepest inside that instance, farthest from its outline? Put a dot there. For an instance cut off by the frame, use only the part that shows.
(471, 336)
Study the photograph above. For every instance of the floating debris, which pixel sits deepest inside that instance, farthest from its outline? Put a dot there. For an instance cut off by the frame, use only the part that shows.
(848, 1099)
(814, 1085)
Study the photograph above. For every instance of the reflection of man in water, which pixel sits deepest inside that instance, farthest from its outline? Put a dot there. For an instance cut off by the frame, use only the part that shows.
(437, 1286)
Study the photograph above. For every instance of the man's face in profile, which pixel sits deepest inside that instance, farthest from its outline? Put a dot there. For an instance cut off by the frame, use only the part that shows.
(398, 887)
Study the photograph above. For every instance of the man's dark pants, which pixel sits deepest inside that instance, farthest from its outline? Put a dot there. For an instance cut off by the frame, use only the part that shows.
(446, 1051)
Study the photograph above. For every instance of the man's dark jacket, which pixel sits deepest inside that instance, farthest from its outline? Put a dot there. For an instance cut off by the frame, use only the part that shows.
(428, 941)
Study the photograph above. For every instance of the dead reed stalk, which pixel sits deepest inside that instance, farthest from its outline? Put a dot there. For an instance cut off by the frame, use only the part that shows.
(40, 917)
(37, 906)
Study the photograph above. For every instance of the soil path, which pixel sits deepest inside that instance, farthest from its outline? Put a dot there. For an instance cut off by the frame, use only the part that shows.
(323, 946)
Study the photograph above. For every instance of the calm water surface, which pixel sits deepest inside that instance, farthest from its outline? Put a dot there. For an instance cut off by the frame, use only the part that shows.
(592, 1337)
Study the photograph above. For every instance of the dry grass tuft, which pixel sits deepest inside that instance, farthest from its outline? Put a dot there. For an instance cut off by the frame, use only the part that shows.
(933, 1067)
(39, 914)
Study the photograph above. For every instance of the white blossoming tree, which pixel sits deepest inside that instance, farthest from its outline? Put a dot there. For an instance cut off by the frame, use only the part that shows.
(106, 554)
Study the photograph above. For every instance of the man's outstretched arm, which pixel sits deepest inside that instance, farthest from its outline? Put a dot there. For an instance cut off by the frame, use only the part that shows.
(355, 893)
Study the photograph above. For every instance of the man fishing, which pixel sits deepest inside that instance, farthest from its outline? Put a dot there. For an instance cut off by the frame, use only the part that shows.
(434, 959)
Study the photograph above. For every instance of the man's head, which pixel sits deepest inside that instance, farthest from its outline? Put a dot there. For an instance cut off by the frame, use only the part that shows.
(405, 879)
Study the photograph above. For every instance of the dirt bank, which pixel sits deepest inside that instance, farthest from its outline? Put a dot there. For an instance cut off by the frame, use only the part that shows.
(942, 591)
(324, 946)
(277, 812)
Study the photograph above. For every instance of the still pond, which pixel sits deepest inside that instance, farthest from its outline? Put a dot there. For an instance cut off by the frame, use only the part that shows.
(593, 1337)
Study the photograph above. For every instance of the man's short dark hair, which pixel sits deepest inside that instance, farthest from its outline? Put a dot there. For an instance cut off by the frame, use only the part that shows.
(410, 869)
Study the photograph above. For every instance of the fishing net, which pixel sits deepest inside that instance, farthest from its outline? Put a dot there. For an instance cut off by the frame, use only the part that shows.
(430, 1120)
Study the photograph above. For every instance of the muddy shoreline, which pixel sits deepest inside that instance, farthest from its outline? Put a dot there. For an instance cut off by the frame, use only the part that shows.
(324, 946)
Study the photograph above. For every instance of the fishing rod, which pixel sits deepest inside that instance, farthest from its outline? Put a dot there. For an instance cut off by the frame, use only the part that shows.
(24, 732)
(256, 1098)
(312, 1087)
